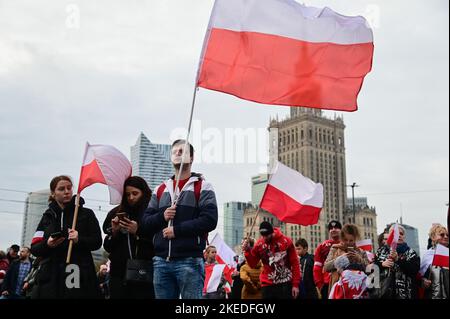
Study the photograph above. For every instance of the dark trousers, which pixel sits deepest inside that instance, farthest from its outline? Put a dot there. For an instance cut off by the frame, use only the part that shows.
(280, 291)
(120, 290)
(324, 291)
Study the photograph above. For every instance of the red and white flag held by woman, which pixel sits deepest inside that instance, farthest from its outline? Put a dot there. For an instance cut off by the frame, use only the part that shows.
(292, 197)
(284, 53)
(441, 256)
(106, 165)
(394, 234)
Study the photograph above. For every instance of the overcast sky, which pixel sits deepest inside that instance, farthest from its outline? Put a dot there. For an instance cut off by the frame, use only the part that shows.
(103, 71)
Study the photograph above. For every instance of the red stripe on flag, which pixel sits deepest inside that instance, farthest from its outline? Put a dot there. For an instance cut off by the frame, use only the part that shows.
(441, 261)
(287, 209)
(90, 174)
(272, 69)
(228, 271)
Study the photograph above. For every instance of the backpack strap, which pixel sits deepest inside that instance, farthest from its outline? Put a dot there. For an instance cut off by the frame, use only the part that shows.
(197, 190)
(197, 193)
(160, 191)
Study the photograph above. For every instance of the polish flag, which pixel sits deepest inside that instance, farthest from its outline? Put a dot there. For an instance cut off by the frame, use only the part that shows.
(441, 256)
(106, 165)
(293, 198)
(213, 276)
(283, 53)
(37, 237)
(392, 240)
(225, 255)
(365, 244)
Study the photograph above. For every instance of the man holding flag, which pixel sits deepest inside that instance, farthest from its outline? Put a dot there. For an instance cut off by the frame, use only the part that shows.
(280, 278)
(180, 214)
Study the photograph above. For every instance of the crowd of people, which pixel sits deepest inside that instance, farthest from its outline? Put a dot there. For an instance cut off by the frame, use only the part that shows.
(158, 249)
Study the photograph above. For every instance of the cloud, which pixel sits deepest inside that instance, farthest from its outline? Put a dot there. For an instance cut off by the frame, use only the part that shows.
(130, 67)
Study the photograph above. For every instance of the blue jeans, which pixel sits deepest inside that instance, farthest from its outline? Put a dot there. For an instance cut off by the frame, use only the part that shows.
(177, 277)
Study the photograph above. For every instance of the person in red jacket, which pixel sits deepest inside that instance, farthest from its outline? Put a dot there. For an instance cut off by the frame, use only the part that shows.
(321, 278)
(280, 277)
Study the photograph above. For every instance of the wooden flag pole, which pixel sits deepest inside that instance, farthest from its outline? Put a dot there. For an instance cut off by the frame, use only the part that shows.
(254, 221)
(74, 224)
(259, 207)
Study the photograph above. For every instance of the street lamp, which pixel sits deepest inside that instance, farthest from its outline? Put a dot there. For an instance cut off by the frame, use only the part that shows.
(353, 200)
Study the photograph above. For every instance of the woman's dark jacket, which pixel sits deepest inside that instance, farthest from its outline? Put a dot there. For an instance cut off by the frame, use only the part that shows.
(51, 277)
(117, 245)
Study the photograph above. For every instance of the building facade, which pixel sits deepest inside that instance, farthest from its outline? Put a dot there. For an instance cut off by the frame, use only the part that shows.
(233, 225)
(359, 202)
(252, 219)
(313, 145)
(259, 184)
(35, 205)
(366, 220)
(151, 161)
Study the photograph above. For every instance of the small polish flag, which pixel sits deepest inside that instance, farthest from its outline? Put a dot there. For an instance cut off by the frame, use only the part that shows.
(213, 276)
(38, 237)
(441, 256)
(392, 240)
(365, 244)
(106, 165)
(292, 197)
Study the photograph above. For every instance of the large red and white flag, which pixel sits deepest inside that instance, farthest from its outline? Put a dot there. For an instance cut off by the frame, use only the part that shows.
(441, 256)
(292, 197)
(284, 53)
(213, 276)
(225, 255)
(106, 165)
(392, 240)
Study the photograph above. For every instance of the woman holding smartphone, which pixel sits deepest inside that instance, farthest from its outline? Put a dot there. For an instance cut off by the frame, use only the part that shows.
(345, 255)
(124, 240)
(51, 242)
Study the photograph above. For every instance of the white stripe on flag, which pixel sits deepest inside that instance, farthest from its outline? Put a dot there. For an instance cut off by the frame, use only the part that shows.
(215, 278)
(297, 186)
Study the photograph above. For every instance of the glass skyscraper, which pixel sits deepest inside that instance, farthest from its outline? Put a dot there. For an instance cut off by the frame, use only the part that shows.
(35, 206)
(151, 161)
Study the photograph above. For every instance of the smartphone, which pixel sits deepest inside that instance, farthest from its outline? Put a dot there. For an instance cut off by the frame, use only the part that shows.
(122, 215)
(58, 234)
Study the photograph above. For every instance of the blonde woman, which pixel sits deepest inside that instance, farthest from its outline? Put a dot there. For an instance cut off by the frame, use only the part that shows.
(435, 280)
(398, 269)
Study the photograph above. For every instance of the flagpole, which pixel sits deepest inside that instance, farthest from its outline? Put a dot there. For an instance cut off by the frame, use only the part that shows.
(74, 224)
(175, 195)
(254, 221)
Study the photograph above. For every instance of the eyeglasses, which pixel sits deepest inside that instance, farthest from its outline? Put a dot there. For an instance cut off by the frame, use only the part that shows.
(443, 234)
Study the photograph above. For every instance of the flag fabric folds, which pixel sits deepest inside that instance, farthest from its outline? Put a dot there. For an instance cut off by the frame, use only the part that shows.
(106, 165)
(225, 255)
(392, 240)
(365, 244)
(292, 198)
(441, 256)
(283, 53)
(213, 276)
